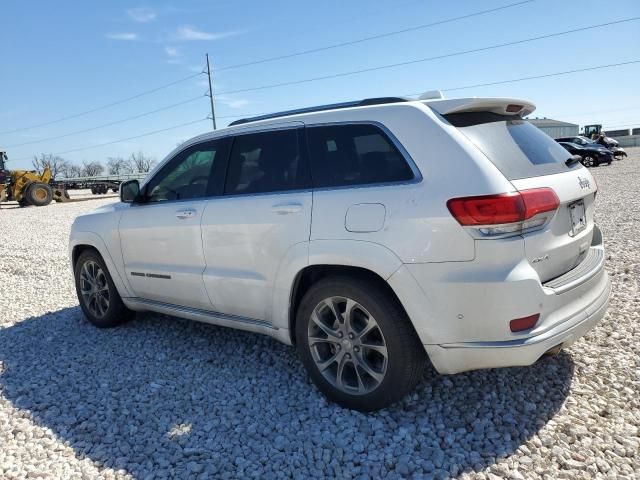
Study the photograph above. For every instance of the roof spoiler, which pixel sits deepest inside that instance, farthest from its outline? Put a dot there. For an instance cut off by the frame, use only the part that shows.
(502, 106)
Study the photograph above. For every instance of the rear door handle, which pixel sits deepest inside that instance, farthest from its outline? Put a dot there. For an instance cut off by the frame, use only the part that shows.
(186, 213)
(286, 208)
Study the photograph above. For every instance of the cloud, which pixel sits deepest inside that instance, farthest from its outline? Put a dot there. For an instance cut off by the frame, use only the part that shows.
(233, 103)
(191, 33)
(128, 36)
(172, 51)
(142, 14)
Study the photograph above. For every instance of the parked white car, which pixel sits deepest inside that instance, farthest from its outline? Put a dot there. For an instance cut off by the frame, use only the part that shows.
(373, 235)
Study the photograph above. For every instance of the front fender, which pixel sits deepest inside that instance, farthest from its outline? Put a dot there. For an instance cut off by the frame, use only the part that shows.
(78, 238)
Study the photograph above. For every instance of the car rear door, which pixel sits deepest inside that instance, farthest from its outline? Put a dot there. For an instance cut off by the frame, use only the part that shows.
(264, 214)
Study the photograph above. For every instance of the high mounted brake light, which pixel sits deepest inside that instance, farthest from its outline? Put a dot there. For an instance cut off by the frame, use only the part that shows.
(512, 211)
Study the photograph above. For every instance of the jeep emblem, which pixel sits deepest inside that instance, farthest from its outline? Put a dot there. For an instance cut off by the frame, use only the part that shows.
(583, 182)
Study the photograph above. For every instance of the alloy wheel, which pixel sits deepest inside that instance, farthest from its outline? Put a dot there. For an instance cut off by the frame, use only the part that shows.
(588, 161)
(347, 345)
(94, 288)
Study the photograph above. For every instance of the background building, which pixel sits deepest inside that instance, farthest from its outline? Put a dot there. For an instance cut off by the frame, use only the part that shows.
(555, 128)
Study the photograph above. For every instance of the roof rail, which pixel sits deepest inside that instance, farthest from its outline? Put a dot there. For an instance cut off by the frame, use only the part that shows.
(320, 108)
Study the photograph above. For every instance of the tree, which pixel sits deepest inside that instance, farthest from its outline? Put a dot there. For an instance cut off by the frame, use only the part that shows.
(140, 163)
(53, 162)
(118, 165)
(91, 169)
(71, 170)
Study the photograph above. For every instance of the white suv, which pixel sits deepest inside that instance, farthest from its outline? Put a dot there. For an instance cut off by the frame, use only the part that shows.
(373, 235)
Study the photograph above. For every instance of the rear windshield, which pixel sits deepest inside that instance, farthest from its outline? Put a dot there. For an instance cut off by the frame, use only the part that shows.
(516, 147)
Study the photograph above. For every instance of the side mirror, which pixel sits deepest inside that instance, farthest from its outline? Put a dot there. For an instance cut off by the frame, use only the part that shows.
(129, 191)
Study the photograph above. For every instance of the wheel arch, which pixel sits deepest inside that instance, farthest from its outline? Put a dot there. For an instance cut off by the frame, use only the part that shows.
(312, 274)
(84, 241)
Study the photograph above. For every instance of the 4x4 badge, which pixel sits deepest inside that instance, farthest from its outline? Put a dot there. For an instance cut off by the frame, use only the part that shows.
(583, 182)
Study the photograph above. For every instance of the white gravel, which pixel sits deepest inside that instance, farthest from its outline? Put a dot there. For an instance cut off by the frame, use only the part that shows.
(163, 397)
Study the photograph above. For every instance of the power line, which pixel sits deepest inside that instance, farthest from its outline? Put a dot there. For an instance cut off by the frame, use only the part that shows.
(372, 37)
(577, 114)
(117, 122)
(123, 139)
(534, 77)
(96, 109)
(428, 59)
(548, 75)
(522, 79)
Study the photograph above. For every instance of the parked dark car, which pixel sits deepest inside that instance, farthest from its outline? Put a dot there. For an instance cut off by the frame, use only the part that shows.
(592, 154)
(606, 143)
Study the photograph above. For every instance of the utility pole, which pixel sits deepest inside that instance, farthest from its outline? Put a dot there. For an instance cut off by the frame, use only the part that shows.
(213, 113)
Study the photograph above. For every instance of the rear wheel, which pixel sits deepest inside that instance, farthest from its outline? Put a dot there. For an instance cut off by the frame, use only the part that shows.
(588, 161)
(357, 343)
(97, 294)
(39, 194)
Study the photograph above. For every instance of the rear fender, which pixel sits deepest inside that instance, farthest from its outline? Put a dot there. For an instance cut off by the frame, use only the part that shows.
(352, 253)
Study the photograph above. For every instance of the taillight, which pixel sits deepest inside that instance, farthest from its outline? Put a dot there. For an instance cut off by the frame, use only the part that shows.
(539, 200)
(487, 209)
(514, 212)
(525, 323)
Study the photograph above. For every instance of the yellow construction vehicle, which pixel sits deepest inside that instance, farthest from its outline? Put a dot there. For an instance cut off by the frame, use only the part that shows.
(28, 187)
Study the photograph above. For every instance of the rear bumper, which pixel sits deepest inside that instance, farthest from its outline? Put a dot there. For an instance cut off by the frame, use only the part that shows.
(460, 357)
(461, 311)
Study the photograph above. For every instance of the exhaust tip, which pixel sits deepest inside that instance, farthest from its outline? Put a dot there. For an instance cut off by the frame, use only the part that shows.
(553, 351)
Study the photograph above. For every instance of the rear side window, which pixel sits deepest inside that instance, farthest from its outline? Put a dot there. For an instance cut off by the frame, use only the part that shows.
(356, 154)
(266, 162)
(517, 148)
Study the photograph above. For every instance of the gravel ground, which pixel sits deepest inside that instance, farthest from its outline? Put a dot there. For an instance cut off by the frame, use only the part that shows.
(163, 397)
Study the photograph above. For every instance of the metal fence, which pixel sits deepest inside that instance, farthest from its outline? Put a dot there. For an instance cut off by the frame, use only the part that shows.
(629, 140)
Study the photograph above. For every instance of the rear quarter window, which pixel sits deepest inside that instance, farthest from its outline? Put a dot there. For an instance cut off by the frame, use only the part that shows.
(354, 154)
(516, 147)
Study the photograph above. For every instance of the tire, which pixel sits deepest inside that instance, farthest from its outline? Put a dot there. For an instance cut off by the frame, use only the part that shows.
(391, 332)
(39, 194)
(23, 202)
(93, 190)
(589, 161)
(101, 313)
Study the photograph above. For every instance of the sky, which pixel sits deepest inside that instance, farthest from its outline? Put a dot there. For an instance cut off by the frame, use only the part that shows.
(62, 59)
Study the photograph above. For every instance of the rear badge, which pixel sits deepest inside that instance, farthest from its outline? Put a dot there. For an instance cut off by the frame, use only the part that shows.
(583, 182)
(540, 259)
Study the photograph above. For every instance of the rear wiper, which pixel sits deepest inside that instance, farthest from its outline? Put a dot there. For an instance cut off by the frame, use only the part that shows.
(573, 160)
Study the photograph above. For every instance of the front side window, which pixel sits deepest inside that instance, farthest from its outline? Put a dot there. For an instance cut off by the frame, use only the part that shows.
(354, 154)
(266, 162)
(189, 175)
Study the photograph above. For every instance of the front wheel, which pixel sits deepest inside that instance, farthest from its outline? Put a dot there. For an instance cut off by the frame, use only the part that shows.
(97, 294)
(357, 343)
(39, 194)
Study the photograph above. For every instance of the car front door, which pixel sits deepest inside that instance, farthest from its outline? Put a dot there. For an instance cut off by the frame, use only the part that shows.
(265, 211)
(160, 235)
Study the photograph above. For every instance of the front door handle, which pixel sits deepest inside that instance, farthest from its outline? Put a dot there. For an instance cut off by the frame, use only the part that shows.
(186, 213)
(286, 208)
